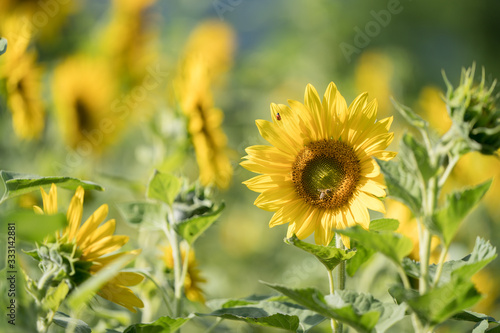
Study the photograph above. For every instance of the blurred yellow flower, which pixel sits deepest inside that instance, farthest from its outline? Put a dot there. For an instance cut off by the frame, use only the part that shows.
(83, 91)
(408, 226)
(208, 54)
(128, 40)
(485, 283)
(320, 173)
(193, 279)
(94, 243)
(23, 81)
(431, 105)
(374, 74)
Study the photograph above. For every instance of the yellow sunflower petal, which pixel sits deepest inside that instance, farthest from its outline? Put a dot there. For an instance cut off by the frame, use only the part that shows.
(370, 186)
(276, 136)
(121, 295)
(92, 223)
(371, 202)
(107, 229)
(264, 182)
(74, 215)
(128, 278)
(104, 246)
(272, 199)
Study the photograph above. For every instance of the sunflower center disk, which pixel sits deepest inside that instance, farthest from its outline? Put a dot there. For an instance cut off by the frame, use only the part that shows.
(325, 173)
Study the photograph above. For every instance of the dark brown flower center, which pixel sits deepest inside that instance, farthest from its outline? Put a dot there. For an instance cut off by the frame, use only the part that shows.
(325, 173)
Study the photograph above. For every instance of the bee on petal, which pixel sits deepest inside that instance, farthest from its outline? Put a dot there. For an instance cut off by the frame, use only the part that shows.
(278, 116)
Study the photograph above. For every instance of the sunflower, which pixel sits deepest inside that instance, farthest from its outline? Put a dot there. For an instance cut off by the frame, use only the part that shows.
(320, 174)
(431, 104)
(193, 279)
(23, 82)
(408, 226)
(83, 90)
(93, 244)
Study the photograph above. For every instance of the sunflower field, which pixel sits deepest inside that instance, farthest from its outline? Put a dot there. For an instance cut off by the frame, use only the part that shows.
(249, 166)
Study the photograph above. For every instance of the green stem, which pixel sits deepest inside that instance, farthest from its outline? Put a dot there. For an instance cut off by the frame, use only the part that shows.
(340, 270)
(440, 267)
(176, 254)
(334, 323)
(217, 322)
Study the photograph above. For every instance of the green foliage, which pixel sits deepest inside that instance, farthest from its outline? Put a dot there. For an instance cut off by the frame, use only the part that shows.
(402, 185)
(55, 296)
(458, 204)
(442, 302)
(194, 227)
(161, 325)
(384, 225)
(145, 215)
(34, 227)
(19, 183)
(163, 187)
(410, 116)
(284, 315)
(391, 244)
(361, 311)
(3, 45)
(363, 254)
(328, 255)
(415, 157)
(65, 321)
(473, 316)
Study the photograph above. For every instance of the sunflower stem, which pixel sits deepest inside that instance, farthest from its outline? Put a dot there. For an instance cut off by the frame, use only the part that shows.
(340, 270)
(334, 323)
(440, 267)
(176, 254)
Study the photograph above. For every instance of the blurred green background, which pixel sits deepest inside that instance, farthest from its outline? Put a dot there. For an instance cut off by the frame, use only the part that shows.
(280, 47)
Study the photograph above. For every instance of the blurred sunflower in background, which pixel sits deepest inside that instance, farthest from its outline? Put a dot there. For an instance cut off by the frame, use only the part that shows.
(203, 63)
(193, 279)
(93, 244)
(374, 73)
(23, 81)
(320, 173)
(83, 91)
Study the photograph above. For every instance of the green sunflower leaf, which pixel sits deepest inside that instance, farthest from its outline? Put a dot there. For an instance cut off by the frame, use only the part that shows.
(55, 296)
(410, 116)
(402, 185)
(19, 183)
(161, 325)
(442, 302)
(194, 227)
(328, 255)
(3, 45)
(361, 311)
(164, 187)
(284, 315)
(65, 321)
(445, 222)
(391, 244)
(473, 316)
(481, 327)
(384, 225)
(415, 157)
(362, 255)
(31, 226)
(143, 214)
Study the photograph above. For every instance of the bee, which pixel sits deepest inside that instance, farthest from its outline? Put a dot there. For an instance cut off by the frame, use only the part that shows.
(278, 116)
(324, 192)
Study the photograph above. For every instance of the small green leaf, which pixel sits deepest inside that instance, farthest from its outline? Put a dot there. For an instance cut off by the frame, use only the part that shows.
(19, 183)
(410, 116)
(76, 325)
(328, 255)
(447, 220)
(402, 185)
(391, 244)
(161, 325)
(33, 227)
(87, 290)
(194, 227)
(284, 315)
(143, 214)
(473, 316)
(3, 45)
(360, 311)
(384, 225)
(164, 187)
(439, 303)
(55, 296)
(481, 327)
(415, 157)
(362, 255)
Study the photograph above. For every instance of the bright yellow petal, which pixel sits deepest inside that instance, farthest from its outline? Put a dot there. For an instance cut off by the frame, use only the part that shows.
(276, 136)
(107, 229)
(370, 202)
(128, 278)
(273, 199)
(104, 246)
(92, 223)
(74, 215)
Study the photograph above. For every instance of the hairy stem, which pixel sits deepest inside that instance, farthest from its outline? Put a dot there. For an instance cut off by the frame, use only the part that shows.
(334, 323)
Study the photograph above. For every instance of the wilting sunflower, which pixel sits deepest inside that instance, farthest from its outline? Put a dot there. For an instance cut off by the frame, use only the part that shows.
(93, 244)
(83, 90)
(320, 173)
(23, 81)
(193, 279)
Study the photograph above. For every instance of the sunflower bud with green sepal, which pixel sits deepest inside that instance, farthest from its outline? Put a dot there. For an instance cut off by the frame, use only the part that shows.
(473, 109)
